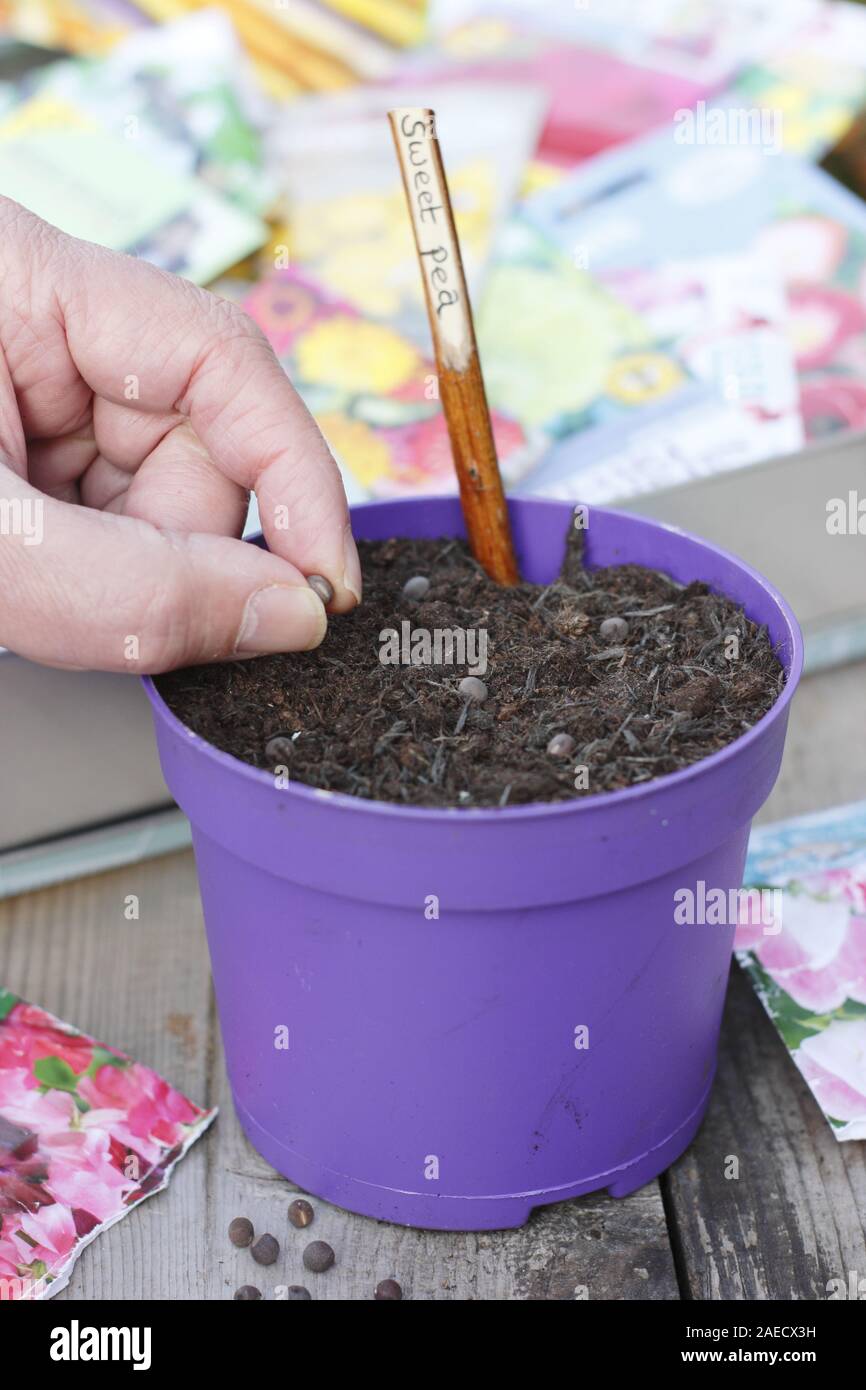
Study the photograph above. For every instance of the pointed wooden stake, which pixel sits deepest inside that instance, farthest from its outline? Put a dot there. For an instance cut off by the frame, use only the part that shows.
(461, 386)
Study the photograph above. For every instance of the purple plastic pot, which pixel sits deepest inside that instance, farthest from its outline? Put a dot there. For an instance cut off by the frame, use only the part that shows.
(432, 1075)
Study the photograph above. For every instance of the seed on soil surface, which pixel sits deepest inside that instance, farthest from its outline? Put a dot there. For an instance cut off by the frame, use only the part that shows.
(614, 629)
(296, 1293)
(279, 749)
(320, 586)
(248, 1291)
(301, 1213)
(388, 1289)
(416, 588)
(318, 1256)
(561, 746)
(265, 1250)
(241, 1231)
(473, 689)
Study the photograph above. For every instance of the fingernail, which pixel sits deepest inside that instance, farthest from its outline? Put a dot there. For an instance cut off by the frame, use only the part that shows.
(281, 618)
(352, 572)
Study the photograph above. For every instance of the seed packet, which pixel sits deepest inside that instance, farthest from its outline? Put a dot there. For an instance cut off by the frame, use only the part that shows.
(90, 181)
(701, 40)
(815, 78)
(181, 94)
(596, 99)
(817, 101)
(808, 963)
(85, 1134)
(721, 320)
(345, 201)
(660, 200)
(373, 393)
(559, 350)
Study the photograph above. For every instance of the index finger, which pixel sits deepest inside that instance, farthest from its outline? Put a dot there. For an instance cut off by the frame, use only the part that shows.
(138, 334)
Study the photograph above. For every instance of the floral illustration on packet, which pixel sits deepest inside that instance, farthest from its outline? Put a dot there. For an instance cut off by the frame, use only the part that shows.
(808, 965)
(85, 1133)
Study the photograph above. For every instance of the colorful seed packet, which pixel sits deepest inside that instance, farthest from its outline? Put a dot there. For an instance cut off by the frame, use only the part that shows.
(720, 320)
(373, 393)
(596, 99)
(807, 962)
(60, 162)
(85, 1134)
(560, 351)
(349, 228)
(815, 79)
(657, 201)
(181, 94)
(703, 41)
(816, 102)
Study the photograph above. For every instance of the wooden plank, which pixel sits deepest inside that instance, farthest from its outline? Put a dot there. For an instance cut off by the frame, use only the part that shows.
(794, 1218)
(595, 1247)
(143, 986)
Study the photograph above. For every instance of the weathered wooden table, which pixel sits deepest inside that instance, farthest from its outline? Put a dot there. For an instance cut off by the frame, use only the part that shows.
(794, 1219)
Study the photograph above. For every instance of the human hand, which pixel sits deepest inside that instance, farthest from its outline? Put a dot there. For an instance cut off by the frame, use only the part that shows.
(136, 414)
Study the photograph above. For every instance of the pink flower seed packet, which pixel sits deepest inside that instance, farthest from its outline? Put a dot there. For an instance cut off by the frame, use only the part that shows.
(85, 1134)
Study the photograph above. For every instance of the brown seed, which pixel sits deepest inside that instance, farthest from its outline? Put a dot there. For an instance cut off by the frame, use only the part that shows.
(416, 588)
(561, 746)
(241, 1231)
(248, 1291)
(320, 586)
(388, 1289)
(296, 1293)
(614, 629)
(279, 749)
(301, 1213)
(265, 1250)
(471, 688)
(318, 1256)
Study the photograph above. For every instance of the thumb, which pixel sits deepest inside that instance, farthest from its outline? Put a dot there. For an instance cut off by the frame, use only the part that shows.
(87, 589)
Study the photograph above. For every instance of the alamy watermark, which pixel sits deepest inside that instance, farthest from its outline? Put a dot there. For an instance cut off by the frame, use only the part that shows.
(739, 126)
(23, 516)
(77, 1343)
(720, 907)
(846, 516)
(853, 1287)
(441, 646)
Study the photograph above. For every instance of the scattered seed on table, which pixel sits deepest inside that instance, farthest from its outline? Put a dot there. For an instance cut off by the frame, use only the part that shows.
(614, 629)
(318, 1256)
(561, 746)
(265, 1250)
(279, 749)
(241, 1231)
(320, 586)
(301, 1213)
(296, 1293)
(248, 1291)
(388, 1289)
(416, 588)
(473, 689)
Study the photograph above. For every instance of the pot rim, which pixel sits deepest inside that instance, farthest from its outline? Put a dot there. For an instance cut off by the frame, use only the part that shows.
(532, 810)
